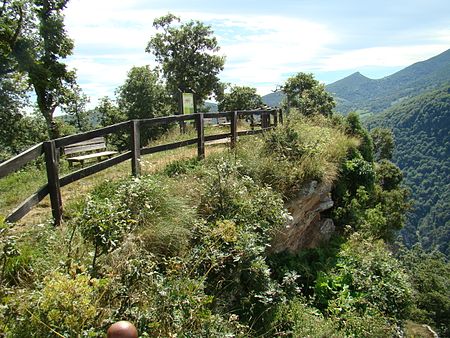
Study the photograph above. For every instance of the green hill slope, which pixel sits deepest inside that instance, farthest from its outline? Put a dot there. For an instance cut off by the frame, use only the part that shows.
(357, 92)
(421, 126)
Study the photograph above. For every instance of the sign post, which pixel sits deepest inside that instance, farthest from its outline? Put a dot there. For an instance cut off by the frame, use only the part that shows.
(188, 103)
(186, 106)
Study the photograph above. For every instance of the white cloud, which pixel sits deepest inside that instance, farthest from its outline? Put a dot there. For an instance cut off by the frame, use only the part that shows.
(261, 50)
(379, 57)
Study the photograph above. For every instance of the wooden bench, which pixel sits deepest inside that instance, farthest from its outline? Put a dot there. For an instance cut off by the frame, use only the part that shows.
(221, 122)
(94, 144)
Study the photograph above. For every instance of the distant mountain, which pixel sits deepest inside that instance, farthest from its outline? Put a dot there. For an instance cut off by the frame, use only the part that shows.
(273, 99)
(210, 106)
(421, 127)
(359, 93)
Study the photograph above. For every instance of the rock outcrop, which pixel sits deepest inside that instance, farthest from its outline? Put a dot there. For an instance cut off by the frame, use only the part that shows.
(306, 227)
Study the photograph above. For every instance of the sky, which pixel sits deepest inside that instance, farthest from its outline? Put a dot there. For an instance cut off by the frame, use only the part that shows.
(264, 42)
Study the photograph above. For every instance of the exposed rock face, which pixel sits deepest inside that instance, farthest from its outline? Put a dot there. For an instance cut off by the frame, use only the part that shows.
(306, 228)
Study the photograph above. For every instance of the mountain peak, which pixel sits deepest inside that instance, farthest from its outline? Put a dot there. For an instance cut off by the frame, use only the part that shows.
(358, 92)
(353, 79)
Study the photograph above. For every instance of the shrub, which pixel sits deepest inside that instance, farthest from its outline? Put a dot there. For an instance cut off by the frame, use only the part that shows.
(366, 276)
(296, 319)
(430, 276)
(66, 305)
(296, 152)
(104, 226)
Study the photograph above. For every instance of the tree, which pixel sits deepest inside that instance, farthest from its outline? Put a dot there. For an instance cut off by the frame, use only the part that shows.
(143, 96)
(34, 40)
(110, 114)
(355, 128)
(430, 277)
(187, 58)
(76, 108)
(13, 98)
(307, 95)
(383, 142)
(240, 98)
(13, 85)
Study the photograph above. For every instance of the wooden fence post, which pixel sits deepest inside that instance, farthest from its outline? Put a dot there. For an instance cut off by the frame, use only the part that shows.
(200, 124)
(275, 118)
(233, 125)
(263, 120)
(135, 148)
(51, 162)
(281, 116)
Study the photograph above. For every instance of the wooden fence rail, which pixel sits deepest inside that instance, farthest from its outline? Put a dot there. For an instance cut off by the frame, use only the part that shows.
(51, 150)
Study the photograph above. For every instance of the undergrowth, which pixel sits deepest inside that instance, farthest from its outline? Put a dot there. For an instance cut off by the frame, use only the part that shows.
(186, 251)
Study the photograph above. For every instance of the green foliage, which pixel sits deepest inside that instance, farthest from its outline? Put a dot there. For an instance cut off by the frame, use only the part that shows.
(189, 253)
(240, 98)
(430, 277)
(143, 96)
(421, 129)
(19, 133)
(297, 319)
(285, 143)
(76, 109)
(366, 277)
(36, 43)
(369, 196)
(355, 128)
(357, 92)
(187, 56)
(301, 150)
(104, 226)
(64, 306)
(388, 175)
(307, 95)
(233, 196)
(110, 114)
(144, 205)
(9, 252)
(383, 142)
(181, 167)
(165, 298)
(12, 100)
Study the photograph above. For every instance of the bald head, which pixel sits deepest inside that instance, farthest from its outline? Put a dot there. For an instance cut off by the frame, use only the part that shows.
(122, 329)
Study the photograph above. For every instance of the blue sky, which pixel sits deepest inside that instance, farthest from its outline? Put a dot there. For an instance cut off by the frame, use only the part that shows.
(264, 42)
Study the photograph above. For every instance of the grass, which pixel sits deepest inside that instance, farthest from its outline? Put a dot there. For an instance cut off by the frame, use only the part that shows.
(18, 186)
(176, 268)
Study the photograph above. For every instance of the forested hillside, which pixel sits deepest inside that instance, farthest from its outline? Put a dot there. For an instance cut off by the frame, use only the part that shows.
(359, 93)
(421, 127)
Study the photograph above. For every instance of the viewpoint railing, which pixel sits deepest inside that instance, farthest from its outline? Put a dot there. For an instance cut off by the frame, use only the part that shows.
(51, 151)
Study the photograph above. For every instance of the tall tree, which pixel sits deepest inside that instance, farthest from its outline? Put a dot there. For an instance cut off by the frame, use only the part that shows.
(143, 96)
(306, 94)
(240, 98)
(35, 41)
(187, 55)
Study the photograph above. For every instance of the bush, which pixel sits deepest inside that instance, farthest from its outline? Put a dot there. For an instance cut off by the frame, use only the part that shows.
(301, 150)
(66, 305)
(297, 319)
(104, 226)
(366, 277)
(429, 274)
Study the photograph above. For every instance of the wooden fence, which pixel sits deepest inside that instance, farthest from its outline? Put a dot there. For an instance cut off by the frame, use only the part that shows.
(51, 151)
